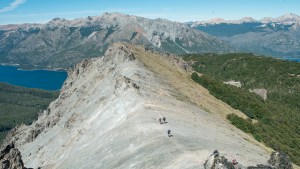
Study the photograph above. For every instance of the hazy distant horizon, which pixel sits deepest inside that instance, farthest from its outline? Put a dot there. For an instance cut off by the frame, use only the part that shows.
(33, 11)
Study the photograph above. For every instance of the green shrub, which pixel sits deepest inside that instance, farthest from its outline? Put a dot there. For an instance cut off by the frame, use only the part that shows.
(241, 123)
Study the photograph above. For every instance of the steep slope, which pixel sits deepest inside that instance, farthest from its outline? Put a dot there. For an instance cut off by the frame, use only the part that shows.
(61, 42)
(277, 37)
(107, 116)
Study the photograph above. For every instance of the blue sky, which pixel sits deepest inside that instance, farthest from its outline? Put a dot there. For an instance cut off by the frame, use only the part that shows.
(36, 11)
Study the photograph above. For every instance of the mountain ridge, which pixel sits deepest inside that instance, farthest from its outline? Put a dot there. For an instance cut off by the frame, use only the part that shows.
(140, 87)
(276, 37)
(287, 19)
(61, 43)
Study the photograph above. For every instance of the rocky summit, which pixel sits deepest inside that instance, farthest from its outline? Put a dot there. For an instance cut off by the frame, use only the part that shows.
(61, 43)
(133, 108)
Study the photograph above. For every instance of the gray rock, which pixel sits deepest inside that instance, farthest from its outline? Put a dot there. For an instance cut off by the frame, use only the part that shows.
(62, 43)
(216, 161)
(278, 160)
(10, 158)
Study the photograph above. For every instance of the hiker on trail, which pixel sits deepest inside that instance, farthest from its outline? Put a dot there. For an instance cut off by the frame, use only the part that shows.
(169, 133)
(160, 120)
(164, 119)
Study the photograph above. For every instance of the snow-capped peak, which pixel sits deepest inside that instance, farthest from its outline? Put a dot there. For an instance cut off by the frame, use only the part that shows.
(247, 20)
(220, 20)
(267, 20)
(289, 18)
(216, 21)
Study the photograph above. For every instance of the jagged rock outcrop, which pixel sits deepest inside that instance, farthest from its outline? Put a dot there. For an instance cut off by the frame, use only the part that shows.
(10, 158)
(216, 161)
(278, 160)
(107, 116)
(61, 43)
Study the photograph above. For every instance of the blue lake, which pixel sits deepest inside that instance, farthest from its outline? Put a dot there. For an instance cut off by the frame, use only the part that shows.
(41, 79)
(293, 59)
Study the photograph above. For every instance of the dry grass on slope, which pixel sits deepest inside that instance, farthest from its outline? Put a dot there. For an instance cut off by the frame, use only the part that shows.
(184, 88)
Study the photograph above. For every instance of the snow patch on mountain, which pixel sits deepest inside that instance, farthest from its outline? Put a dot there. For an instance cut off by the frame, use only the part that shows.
(287, 19)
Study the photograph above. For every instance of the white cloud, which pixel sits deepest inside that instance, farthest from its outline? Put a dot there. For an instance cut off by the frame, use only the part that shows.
(12, 5)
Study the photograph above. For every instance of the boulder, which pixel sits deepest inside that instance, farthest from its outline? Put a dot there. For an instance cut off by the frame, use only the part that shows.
(10, 158)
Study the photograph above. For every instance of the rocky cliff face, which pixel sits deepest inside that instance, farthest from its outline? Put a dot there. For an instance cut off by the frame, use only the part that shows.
(278, 160)
(61, 43)
(10, 158)
(107, 116)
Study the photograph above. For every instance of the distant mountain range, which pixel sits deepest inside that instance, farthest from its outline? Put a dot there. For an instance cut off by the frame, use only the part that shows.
(278, 37)
(62, 43)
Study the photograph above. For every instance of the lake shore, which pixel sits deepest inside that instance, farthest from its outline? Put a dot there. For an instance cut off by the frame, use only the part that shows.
(40, 79)
(33, 68)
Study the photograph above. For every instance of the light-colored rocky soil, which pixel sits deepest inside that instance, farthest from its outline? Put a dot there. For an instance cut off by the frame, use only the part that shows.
(107, 116)
(263, 93)
(234, 83)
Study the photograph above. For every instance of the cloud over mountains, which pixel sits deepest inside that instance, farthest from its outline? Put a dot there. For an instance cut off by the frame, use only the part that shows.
(12, 6)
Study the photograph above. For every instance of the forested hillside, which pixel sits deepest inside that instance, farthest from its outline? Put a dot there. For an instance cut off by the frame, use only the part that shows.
(21, 105)
(274, 121)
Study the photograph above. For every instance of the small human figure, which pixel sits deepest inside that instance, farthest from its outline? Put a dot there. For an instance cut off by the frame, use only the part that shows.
(169, 133)
(164, 119)
(160, 120)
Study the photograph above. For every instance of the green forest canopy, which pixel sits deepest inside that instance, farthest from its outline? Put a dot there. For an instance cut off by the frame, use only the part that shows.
(278, 117)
